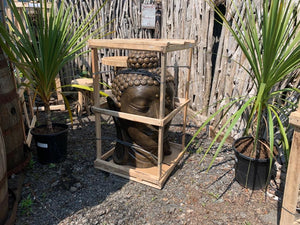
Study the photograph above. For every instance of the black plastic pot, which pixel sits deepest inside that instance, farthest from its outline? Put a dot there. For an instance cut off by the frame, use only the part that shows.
(51, 148)
(249, 172)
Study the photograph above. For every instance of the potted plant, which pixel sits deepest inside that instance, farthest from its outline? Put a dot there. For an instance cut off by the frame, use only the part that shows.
(40, 49)
(271, 45)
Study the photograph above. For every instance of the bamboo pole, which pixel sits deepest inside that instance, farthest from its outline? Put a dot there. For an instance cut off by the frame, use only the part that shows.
(162, 111)
(96, 84)
(187, 90)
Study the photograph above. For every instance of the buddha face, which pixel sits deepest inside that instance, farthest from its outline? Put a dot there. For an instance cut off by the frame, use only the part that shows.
(142, 97)
(144, 100)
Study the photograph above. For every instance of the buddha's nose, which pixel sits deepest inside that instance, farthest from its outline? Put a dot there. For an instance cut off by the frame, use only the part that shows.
(154, 109)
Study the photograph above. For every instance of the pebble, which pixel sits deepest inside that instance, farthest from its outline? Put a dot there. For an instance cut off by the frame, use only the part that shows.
(54, 184)
(77, 185)
(73, 189)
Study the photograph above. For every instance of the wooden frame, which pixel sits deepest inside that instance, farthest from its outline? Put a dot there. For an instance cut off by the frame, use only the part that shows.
(83, 96)
(116, 61)
(154, 176)
(30, 120)
(292, 183)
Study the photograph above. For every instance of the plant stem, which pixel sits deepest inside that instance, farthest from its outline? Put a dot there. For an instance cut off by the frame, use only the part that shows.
(48, 116)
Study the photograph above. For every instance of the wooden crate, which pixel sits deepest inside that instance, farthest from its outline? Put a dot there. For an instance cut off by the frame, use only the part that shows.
(155, 176)
(148, 176)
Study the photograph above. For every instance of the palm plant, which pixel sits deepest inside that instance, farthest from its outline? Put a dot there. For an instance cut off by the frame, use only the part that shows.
(271, 45)
(42, 48)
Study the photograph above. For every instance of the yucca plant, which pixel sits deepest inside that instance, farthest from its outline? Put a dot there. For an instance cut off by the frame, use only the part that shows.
(271, 45)
(40, 49)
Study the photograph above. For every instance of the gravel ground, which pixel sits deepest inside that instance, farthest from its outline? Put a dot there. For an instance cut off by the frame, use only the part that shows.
(74, 192)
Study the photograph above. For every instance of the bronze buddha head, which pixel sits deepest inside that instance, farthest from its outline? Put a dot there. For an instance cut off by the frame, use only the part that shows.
(138, 92)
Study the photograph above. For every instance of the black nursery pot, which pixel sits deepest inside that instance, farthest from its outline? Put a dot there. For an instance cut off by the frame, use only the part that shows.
(249, 172)
(51, 148)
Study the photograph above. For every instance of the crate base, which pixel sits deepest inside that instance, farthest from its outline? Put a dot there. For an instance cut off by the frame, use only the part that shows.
(147, 176)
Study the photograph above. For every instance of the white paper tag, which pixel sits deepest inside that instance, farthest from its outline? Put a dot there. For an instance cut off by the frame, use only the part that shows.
(42, 145)
(148, 16)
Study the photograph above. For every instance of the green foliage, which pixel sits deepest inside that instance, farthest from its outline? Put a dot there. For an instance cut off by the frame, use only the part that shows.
(214, 195)
(31, 164)
(26, 205)
(87, 88)
(271, 45)
(40, 49)
(52, 165)
(153, 198)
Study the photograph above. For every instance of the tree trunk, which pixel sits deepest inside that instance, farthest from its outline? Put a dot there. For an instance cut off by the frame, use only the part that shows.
(48, 116)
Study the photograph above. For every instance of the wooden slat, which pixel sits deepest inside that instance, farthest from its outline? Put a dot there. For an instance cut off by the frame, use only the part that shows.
(142, 44)
(83, 81)
(292, 182)
(96, 85)
(165, 175)
(29, 135)
(141, 41)
(291, 188)
(187, 91)
(175, 111)
(29, 5)
(162, 111)
(141, 173)
(175, 47)
(52, 107)
(60, 98)
(146, 176)
(95, 44)
(128, 116)
(295, 118)
(143, 119)
(117, 61)
(107, 154)
(30, 123)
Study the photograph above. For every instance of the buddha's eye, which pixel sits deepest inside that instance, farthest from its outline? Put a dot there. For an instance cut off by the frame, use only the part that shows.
(140, 104)
(139, 108)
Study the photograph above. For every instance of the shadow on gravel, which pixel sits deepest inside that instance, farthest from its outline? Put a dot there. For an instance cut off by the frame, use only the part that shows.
(54, 192)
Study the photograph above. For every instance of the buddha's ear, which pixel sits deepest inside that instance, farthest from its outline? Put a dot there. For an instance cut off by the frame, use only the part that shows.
(112, 105)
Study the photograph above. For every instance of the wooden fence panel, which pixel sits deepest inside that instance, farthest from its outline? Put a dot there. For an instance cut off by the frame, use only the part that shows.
(180, 19)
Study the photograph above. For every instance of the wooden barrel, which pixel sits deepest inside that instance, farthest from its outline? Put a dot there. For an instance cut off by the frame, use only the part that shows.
(10, 116)
(3, 182)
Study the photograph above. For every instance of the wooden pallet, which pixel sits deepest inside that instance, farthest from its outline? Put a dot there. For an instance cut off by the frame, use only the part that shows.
(148, 176)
